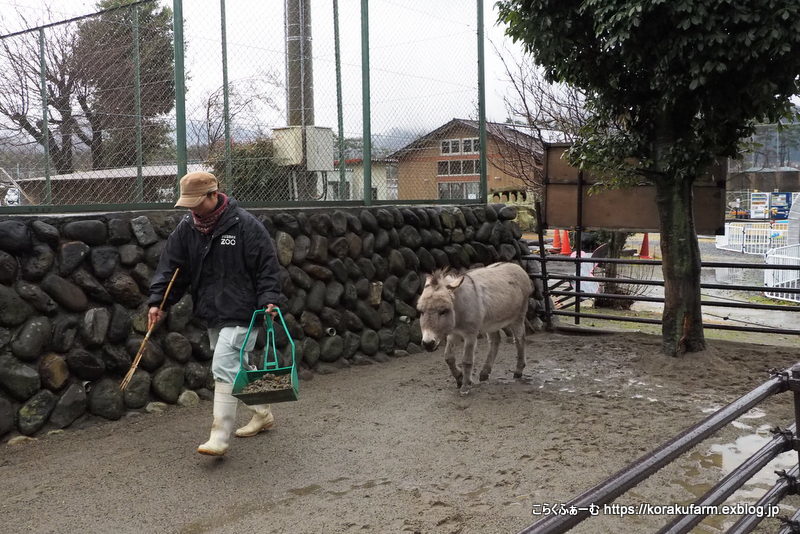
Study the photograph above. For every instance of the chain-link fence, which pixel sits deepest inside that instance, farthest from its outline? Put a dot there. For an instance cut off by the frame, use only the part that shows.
(86, 110)
(92, 112)
(770, 149)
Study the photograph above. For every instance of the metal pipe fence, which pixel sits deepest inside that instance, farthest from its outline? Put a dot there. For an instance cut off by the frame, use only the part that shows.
(786, 271)
(592, 501)
(107, 110)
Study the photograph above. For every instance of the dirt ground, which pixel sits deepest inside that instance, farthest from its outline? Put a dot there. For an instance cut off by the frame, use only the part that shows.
(393, 447)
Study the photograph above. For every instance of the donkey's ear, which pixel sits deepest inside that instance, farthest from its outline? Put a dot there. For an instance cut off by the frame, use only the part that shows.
(454, 282)
(428, 279)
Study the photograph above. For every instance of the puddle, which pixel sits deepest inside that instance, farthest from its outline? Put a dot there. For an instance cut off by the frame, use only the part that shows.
(634, 382)
(307, 490)
(733, 454)
(703, 469)
(755, 413)
(476, 493)
(371, 484)
(526, 379)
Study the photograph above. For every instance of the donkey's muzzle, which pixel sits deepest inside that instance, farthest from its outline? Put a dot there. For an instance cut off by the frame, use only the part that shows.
(430, 346)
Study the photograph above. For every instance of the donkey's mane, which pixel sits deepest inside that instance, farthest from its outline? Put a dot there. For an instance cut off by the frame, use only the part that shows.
(439, 274)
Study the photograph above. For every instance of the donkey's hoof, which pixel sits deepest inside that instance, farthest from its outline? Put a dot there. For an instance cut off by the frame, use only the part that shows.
(464, 391)
(484, 377)
(518, 374)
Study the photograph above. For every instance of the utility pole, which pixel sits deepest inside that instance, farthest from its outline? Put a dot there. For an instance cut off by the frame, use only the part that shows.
(300, 88)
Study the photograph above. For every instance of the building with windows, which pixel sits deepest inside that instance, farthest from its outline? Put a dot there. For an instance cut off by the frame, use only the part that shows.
(445, 163)
(156, 183)
(383, 180)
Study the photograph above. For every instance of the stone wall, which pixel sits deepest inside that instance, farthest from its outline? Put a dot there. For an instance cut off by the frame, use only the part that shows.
(73, 290)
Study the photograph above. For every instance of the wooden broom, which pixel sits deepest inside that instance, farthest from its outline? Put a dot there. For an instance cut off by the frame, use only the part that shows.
(135, 364)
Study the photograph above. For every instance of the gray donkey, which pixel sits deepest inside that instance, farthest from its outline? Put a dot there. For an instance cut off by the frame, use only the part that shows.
(480, 301)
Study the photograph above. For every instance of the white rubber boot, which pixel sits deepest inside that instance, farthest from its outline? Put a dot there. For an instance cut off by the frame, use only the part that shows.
(224, 420)
(262, 420)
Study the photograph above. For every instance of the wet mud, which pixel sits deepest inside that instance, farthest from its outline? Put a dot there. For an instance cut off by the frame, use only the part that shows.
(394, 448)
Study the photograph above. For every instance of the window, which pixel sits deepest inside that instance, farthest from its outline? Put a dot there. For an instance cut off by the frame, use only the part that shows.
(457, 167)
(450, 146)
(455, 190)
(471, 145)
(469, 166)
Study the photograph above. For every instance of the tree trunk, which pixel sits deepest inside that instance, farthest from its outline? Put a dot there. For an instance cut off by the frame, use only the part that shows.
(682, 329)
(615, 246)
(96, 146)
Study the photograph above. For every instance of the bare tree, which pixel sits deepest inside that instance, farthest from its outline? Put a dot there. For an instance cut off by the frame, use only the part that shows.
(89, 86)
(548, 112)
(538, 112)
(249, 107)
(21, 103)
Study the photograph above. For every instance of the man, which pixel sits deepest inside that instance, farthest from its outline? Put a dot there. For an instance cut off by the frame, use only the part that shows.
(228, 259)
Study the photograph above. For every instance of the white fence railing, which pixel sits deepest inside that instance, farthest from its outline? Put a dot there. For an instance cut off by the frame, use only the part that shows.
(753, 237)
(774, 278)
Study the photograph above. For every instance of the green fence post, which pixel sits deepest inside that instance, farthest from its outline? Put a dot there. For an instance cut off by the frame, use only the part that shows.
(365, 104)
(482, 107)
(339, 111)
(45, 126)
(225, 102)
(137, 99)
(180, 88)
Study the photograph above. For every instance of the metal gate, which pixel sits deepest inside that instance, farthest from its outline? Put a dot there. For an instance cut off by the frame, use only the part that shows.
(753, 237)
(783, 279)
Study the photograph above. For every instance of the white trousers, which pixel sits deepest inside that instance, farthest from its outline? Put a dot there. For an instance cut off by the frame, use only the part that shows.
(226, 343)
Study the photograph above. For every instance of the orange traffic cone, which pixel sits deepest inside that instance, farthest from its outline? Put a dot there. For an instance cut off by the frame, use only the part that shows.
(644, 252)
(566, 250)
(556, 242)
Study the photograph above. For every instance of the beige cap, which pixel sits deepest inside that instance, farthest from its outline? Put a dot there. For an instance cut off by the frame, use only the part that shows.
(194, 187)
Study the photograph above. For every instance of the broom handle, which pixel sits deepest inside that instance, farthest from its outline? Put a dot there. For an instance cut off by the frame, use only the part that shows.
(169, 286)
(140, 352)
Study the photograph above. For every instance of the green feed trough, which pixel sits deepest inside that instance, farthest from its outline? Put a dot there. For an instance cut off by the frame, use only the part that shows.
(267, 384)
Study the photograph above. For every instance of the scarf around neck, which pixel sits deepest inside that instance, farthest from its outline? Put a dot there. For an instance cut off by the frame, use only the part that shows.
(205, 223)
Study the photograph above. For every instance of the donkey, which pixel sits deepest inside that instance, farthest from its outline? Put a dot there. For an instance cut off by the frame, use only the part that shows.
(480, 301)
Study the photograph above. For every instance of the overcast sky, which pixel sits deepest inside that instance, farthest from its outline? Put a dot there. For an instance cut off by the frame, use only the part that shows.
(423, 56)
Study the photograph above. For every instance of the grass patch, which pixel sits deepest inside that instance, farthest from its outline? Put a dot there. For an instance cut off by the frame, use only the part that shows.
(761, 299)
(655, 329)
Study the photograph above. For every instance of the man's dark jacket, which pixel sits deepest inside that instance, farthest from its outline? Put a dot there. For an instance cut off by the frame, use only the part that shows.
(231, 271)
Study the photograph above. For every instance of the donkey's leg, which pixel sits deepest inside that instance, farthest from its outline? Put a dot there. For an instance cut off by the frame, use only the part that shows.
(450, 358)
(519, 339)
(467, 361)
(494, 344)
(510, 333)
